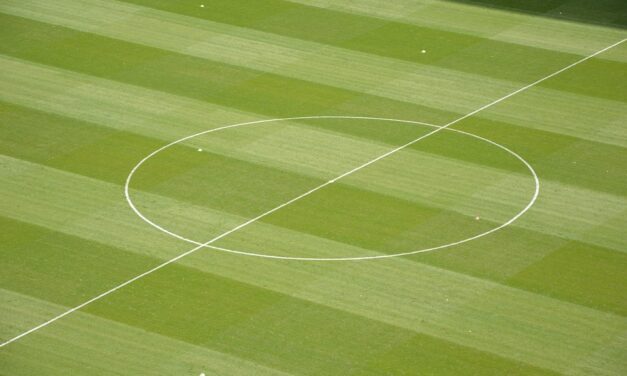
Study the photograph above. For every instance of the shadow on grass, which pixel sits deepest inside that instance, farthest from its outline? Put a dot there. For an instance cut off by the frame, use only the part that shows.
(611, 13)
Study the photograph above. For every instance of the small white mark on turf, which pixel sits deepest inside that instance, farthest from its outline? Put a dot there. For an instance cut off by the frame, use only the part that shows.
(424, 51)
(199, 149)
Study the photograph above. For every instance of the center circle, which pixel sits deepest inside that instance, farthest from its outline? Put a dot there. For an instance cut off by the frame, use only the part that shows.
(207, 244)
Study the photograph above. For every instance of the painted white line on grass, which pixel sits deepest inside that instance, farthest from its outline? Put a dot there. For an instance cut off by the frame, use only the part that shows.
(52, 320)
(346, 258)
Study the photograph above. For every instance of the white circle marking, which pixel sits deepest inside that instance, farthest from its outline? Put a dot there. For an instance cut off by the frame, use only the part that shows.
(356, 258)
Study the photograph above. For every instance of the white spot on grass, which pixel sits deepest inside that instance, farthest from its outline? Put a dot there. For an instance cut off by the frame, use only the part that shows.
(477, 218)
(202, 6)
(199, 149)
(423, 51)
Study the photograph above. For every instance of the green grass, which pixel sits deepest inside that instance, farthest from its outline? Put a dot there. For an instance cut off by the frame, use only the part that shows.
(91, 87)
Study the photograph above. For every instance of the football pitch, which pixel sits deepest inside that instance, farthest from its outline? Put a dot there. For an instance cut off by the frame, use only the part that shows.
(313, 187)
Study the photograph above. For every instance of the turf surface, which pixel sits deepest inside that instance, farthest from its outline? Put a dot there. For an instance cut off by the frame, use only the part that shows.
(89, 88)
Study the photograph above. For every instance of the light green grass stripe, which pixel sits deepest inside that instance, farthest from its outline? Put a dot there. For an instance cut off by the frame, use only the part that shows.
(422, 84)
(494, 24)
(610, 360)
(147, 112)
(127, 107)
(96, 344)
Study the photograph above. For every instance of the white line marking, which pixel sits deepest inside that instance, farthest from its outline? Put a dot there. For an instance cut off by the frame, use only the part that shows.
(287, 203)
(352, 258)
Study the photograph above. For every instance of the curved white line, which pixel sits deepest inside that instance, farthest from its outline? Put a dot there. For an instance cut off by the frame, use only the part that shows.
(356, 258)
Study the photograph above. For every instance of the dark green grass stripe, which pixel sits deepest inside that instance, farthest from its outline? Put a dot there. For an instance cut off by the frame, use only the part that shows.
(376, 36)
(196, 307)
(572, 271)
(557, 157)
(241, 88)
(64, 269)
(71, 145)
(598, 274)
(596, 78)
(373, 221)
